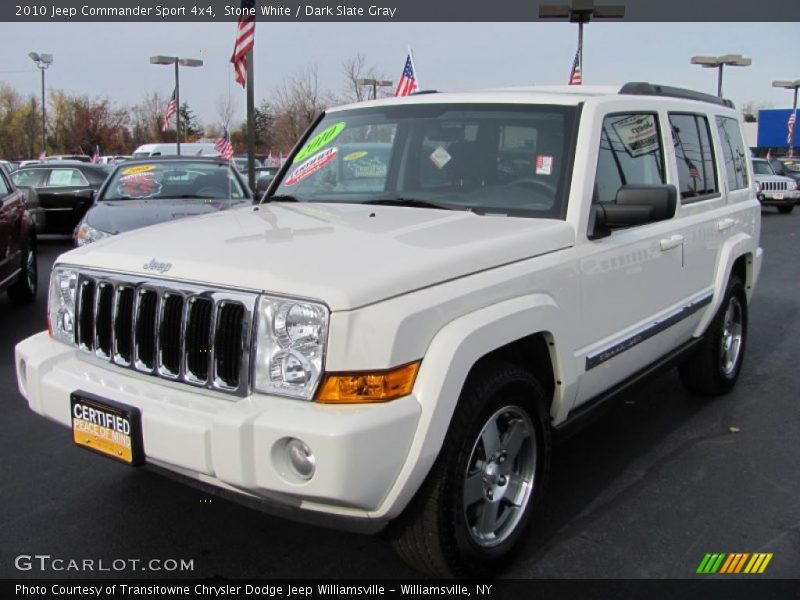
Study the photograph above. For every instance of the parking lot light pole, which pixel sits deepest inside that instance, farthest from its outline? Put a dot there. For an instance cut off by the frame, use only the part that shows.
(43, 61)
(375, 83)
(790, 85)
(178, 62)
(719, 62)
(580, 12)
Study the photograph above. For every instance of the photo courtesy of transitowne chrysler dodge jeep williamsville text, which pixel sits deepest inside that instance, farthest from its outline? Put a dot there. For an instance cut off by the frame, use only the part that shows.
(431, 287)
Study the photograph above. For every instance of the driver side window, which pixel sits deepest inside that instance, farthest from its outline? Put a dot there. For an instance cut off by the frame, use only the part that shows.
(630, 153)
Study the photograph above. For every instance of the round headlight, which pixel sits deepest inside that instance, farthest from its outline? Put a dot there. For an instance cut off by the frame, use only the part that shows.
(297, 324)
(290, 367)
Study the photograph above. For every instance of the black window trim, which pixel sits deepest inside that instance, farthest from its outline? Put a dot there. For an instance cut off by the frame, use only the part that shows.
(713, 196)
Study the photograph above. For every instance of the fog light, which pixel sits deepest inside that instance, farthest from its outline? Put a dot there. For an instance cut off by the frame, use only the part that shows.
(301, 458)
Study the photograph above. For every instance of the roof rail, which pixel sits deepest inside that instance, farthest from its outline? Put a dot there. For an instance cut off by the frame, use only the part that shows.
(642, 88)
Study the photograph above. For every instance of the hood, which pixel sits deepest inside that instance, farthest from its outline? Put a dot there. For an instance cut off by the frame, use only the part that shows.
(346, 255)
(118, 216)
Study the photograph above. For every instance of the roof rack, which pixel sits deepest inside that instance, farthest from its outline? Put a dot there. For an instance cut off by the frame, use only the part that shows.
(642, 88)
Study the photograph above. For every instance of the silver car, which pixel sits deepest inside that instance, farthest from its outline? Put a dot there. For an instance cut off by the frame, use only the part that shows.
(774, 190)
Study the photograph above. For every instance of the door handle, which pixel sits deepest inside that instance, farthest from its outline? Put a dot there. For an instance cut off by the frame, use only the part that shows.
(671, 242)
(724, 224)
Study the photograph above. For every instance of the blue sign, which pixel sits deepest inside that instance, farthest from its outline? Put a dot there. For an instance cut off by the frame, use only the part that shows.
(772, 129)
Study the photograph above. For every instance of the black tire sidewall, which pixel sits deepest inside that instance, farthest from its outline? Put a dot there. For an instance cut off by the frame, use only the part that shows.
(517, 389)
(735, 289)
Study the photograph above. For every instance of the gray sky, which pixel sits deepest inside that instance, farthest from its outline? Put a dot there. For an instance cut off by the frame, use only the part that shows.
(112, 59)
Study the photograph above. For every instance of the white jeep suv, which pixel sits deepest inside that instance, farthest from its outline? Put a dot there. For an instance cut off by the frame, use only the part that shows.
(432, 287)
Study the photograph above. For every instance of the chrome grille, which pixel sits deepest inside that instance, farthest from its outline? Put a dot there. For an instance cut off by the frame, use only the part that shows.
(180, 332)
(774, 186)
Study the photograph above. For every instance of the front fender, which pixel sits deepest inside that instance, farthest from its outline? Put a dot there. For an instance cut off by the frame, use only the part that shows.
(450, 356)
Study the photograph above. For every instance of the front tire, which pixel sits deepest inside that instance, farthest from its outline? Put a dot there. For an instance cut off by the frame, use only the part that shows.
(23, 291)
(471, 512)
(714, 368)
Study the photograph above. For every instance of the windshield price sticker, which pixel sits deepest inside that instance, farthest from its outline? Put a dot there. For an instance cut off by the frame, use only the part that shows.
(139, 185)
(320, 140)
(440, 157)
(139, 169)
(544, 165)
(638, 134)
(311, 166)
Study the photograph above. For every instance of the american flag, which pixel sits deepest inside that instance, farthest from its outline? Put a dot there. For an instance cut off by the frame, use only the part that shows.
(790, 127)
(96, 155)
(172, 108)
(245, 40)
(769, 154)
(408, 81)
(42, 155)
(693, 173)
(223, 145)
(575, 77)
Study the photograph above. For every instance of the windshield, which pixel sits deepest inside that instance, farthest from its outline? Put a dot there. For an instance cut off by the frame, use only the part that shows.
(762, 167)
(174, 179)
(488, 158)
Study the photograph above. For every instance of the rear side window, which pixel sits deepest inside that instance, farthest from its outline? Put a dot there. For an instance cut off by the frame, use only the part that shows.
(733, 152)
(630, 153)
(5, 189)
(66, 178)
(696, 171)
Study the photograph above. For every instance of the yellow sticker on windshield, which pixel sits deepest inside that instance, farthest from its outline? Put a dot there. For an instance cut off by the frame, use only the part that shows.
(138, 169)
(356, 155)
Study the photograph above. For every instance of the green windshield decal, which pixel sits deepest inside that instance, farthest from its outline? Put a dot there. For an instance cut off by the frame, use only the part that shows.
(320, 140)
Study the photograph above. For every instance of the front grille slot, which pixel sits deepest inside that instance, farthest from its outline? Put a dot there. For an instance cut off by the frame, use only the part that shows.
(86, 315)
(774, 186)
(198, 339)
(146, 330)
(169, 334)
(123, 326)
(102, 319)
(176, 331)
(228, 344)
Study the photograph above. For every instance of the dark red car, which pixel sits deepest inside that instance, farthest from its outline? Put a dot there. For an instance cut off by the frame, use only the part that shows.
(17, 243)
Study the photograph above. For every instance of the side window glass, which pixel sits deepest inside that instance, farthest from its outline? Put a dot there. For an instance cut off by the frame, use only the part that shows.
(630, 153)
(733, 153)
(5, 189)
(694, 155)
(27, 177)
(66, 178)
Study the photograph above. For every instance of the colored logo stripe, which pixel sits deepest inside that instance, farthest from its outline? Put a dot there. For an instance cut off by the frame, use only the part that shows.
(734, 563)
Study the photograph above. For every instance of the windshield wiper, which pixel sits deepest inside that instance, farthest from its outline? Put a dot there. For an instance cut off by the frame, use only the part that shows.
(412, 202)
(280, 198)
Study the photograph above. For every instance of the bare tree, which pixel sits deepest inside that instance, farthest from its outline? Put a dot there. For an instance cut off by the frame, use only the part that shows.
(226, 110)
(296, 103)
(353, 69)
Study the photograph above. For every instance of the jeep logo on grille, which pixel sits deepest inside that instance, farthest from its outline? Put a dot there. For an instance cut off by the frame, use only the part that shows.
(154, 265)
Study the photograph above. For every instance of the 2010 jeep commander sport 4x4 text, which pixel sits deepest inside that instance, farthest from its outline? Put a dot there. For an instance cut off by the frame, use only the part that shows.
(432, 287)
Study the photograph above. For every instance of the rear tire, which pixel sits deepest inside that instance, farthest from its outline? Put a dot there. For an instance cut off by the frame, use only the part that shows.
(785, 210)
(471, 512)
(714, 368)
(23, 291)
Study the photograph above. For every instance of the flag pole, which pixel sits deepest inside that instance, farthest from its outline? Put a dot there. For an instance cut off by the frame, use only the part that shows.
(251, 125)
(178, 111)
(580, 47)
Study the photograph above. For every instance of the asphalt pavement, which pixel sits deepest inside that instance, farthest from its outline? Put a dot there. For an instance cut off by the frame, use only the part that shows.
(645, 492)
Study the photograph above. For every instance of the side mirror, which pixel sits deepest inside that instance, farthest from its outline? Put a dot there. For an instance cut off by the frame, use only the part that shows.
(633, 205)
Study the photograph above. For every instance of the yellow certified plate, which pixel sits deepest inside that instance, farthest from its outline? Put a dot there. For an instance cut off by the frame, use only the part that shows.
(106, 427)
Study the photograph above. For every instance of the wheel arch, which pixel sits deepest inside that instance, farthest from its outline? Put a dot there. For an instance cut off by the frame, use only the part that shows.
(522, 330)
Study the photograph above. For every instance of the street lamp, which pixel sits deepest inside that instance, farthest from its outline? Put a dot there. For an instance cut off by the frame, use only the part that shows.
(43, 61)
(718, 62)
(375, 83)
(178, 62)
(790, 85)
(580, 12)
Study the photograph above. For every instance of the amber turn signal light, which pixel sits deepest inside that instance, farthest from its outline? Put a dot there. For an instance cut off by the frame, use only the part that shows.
(375, 386)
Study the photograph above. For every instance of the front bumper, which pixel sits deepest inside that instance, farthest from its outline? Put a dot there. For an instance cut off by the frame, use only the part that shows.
(235, 445)
(782, 199)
